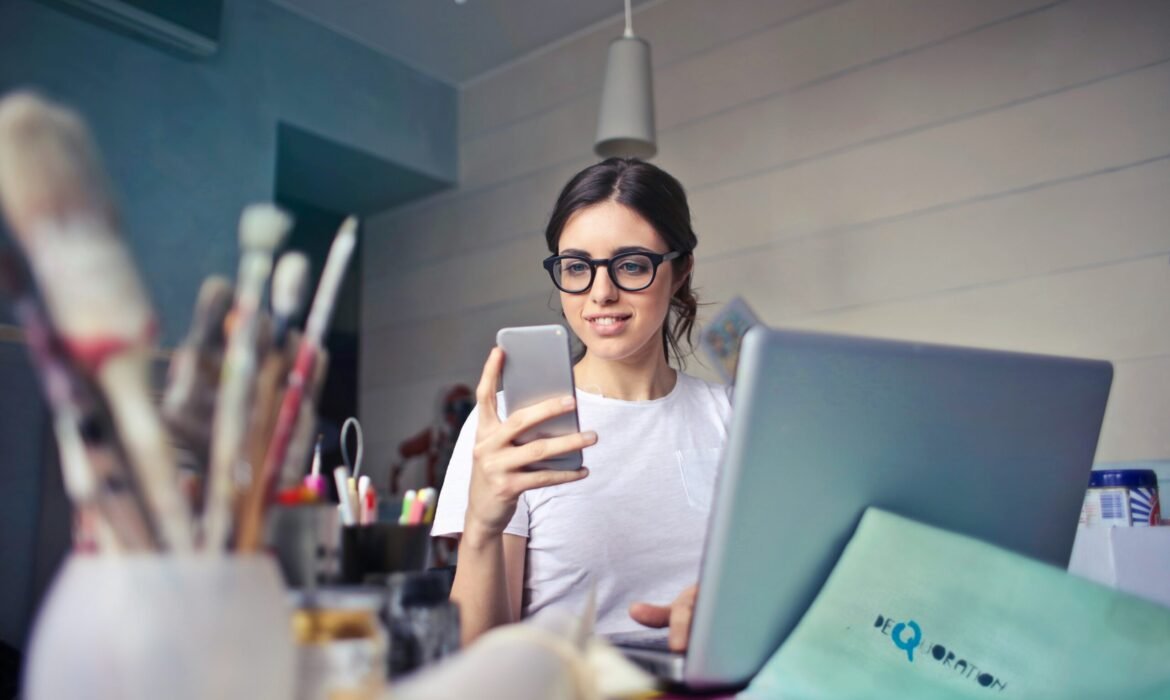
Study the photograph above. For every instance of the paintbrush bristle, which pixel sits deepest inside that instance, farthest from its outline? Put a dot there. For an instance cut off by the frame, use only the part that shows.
(263, 228)
(290, 281)
(49, 167)
(58, 203)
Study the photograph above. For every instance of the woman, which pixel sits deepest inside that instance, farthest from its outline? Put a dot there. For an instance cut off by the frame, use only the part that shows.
(630, 522)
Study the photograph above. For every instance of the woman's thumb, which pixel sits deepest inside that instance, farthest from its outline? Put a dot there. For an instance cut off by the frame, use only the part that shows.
(650, 615)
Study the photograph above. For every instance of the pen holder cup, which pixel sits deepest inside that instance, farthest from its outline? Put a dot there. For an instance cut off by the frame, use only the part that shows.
(369, 552)
(307, 542)
(165, 626)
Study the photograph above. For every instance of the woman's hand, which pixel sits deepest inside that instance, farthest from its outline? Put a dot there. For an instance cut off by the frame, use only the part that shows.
(677, 616)
(498, 474)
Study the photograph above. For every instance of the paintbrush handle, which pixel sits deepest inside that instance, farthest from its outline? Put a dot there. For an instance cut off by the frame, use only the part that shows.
(331, 278)
(231, 410)
(300, 445)
(188, 405)
(94, 476)
(251, 520)
(268, 395)
(126, 387)
(89, 467)
(286, 420)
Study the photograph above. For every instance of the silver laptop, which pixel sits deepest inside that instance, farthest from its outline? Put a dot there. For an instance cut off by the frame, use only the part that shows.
(996, 445)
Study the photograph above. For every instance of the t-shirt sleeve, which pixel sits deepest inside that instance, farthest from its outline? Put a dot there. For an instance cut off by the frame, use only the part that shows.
(452, 507)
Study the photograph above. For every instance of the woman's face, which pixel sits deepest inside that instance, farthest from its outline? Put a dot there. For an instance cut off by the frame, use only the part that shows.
(612, 323)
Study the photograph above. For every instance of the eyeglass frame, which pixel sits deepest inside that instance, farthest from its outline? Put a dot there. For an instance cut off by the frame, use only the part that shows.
(656, 259)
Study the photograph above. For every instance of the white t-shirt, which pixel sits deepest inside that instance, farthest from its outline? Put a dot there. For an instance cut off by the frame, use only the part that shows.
(635, 525)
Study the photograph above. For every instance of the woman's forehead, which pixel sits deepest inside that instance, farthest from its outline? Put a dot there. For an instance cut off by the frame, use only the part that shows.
(606, 227)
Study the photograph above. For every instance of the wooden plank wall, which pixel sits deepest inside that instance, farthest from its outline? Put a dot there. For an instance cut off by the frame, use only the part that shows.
(992, 173)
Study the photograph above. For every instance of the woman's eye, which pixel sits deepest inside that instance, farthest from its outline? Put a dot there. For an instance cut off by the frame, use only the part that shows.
(631, 267)
(576, 268)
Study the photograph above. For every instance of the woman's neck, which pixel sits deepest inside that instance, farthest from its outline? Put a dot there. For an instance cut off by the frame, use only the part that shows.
(627, 380)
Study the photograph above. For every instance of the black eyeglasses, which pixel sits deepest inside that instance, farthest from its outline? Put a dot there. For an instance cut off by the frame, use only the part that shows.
(630, 272)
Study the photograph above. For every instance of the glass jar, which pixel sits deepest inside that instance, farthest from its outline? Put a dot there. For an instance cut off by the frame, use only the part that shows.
(341, 643)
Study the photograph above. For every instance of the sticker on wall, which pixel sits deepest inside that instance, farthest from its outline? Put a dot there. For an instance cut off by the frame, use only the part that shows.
(721, 338)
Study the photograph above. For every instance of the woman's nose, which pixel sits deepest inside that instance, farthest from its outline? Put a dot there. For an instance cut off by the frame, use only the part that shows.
(603, 287)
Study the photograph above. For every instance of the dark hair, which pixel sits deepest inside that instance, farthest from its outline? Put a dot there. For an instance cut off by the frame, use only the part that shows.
(659, 199)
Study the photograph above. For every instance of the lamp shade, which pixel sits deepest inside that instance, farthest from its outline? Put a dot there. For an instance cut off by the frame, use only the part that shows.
(625, 126)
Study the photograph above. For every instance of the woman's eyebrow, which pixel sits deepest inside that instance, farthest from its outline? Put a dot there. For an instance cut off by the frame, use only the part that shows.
(617, 251)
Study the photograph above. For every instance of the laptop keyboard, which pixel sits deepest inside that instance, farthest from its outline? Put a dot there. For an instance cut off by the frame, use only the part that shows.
(654, 640)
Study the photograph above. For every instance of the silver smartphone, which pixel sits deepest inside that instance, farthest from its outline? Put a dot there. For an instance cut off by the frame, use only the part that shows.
(537, 367)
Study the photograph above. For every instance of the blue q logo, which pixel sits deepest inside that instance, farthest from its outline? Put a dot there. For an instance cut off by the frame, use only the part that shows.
(908, 645)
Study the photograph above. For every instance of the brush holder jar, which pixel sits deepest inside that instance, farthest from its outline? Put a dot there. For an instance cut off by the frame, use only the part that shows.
(175, 627)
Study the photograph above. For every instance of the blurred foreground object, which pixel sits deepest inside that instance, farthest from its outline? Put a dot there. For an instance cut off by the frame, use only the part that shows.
(551, 656)
(57, 203)
(174, 627)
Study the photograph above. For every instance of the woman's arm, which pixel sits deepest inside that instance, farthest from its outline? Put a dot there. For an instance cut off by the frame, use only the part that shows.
(490, 571)
(488, 582)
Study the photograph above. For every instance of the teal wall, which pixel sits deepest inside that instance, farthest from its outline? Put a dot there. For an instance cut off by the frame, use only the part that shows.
(188, 143)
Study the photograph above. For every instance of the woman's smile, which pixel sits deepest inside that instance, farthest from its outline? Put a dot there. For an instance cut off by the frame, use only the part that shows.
(607, 324)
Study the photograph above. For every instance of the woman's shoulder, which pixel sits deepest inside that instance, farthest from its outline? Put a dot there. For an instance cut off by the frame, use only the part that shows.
(700, 389)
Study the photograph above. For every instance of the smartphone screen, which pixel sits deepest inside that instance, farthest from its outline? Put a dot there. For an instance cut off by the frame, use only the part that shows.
(537, 366)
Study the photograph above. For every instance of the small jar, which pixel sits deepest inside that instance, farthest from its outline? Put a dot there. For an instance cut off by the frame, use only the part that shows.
(423, 622)
(341, 643)
(1122, 498)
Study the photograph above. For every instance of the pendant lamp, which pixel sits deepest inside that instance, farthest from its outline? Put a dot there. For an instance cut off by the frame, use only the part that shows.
(625, 125)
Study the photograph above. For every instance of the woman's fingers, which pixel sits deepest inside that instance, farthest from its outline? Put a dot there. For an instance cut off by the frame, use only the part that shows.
(523, 481)
(681, 612)
(680, 626)
(549, 448)
(485, 392)
(509, 459)
(650, 615)
(524, 418)
(677, 616)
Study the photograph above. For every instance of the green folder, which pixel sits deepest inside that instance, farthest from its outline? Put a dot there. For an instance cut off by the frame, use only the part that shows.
(911, 611)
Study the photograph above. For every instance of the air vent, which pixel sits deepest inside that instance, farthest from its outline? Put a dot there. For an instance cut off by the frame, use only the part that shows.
(188, 26)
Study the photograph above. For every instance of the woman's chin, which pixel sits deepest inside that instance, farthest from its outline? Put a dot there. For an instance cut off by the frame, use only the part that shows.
(614, 348)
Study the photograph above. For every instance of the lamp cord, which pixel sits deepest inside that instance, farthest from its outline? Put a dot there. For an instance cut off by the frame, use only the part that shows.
(629, 20)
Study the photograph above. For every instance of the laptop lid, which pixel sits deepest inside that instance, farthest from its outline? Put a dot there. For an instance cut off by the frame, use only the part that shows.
(996, 445)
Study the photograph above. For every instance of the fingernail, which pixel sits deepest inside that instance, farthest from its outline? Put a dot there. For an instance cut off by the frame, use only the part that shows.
(568, 401)
(590, 436)
(584, 472)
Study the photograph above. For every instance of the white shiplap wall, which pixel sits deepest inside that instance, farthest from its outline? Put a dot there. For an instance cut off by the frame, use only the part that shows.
(992, 173)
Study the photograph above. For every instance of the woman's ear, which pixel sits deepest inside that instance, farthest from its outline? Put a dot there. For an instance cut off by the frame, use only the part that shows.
(683, 274)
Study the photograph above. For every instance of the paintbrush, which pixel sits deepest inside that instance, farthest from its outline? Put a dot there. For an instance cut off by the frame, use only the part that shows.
(289, 285)
(301, 443)
(299, 378)
(56, 201)
(262, 229)
(94, 473)
(251, 518)
(188, 404)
